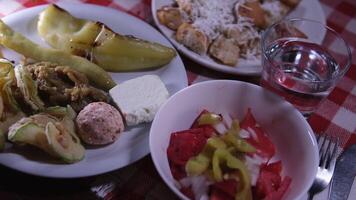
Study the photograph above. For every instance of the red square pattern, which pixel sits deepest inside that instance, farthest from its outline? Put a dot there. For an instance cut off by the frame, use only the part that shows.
(337, 132)
(327, 109)
(335, 25)
(117, 6)
(318, 123)
(338, 21)
(101, 2)
(338, 96)
(331, 3)
(147, 174)
(346, 84)
(352, 2)
(349, 103)
(140, 10)
(30, 3)
(351, 140)
(352, 71)
(349, 37)
(346, 8)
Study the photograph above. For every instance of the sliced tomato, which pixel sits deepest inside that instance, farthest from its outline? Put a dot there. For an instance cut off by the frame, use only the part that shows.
(207, 130)
(262, 143)
(269, 183)
(219, 195)
(276, 195)
(178, 171)
(275, 167)
(185, 144)
(187, 191)
(228, 187)
(248, 121)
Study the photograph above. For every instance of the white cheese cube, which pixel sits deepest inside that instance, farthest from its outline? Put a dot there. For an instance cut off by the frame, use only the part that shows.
(140, 98)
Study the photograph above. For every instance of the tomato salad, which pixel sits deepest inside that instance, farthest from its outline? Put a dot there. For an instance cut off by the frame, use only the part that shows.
(220, 158)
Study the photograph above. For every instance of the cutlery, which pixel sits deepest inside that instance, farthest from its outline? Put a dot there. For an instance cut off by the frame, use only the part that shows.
(327, 160)
(344, 175)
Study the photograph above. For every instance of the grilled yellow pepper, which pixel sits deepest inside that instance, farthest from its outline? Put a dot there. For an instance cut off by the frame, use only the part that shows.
(95, 41)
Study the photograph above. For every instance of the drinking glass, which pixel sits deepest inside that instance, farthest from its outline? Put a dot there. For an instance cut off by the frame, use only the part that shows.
(302, 61)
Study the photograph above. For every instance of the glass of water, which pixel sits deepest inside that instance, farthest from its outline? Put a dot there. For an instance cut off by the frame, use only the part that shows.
(302, 61)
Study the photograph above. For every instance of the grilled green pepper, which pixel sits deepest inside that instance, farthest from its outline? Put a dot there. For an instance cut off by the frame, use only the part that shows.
(24, 46)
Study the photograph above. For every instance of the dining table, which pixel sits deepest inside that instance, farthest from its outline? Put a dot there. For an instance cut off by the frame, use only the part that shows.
(336, 116)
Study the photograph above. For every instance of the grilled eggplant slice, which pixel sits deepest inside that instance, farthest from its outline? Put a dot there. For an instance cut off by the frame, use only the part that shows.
(98, 43)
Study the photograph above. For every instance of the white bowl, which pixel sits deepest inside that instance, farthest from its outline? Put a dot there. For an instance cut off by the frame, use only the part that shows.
(290, 132)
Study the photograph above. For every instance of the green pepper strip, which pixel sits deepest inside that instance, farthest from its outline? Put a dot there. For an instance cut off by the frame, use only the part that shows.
(223, 156)
(200, 163)
(239, 143)
(209, 119)
(231, 137)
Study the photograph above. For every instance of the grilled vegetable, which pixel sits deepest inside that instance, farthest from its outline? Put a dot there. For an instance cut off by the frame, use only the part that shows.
(95, 41)
(9, 109)
(53, 134)
(2, 140)
(7, 77)
(22, 45)
(28, 88)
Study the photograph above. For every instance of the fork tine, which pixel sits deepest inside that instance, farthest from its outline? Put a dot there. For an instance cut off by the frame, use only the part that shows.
(326, 152)
(318, 138)
(333, 156)
(322, 142)
(327, 159)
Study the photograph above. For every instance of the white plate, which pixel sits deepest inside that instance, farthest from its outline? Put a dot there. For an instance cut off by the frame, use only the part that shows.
(133, 143)
(309, 9)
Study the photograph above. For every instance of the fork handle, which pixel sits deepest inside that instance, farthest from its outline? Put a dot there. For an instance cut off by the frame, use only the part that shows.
(310, 196)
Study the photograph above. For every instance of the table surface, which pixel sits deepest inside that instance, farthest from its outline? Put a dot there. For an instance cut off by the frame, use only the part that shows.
(336, 116)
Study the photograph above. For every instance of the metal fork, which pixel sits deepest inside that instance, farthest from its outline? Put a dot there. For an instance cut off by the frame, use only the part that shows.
(327, 160)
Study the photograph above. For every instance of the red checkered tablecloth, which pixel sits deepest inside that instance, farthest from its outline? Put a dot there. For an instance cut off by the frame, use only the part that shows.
(336, 116)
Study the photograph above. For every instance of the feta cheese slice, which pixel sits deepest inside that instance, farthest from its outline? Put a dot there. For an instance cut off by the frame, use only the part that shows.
(140, 98)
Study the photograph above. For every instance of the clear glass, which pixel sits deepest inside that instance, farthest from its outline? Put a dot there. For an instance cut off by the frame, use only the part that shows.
(302, 61)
